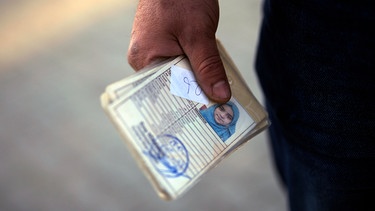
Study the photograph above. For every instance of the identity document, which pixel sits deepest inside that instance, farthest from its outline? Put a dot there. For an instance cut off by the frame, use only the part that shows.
(174, 132)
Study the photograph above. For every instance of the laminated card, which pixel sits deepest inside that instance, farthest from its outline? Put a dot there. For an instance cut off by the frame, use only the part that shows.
(174, 132)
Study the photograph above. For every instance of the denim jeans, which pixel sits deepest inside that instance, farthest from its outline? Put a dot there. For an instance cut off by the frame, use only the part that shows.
(316, 65)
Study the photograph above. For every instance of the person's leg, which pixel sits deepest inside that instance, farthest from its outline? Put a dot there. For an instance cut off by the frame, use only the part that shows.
(316, 74)
(320, 182)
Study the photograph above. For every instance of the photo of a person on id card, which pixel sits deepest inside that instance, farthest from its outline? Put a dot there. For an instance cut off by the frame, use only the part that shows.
(222, 118)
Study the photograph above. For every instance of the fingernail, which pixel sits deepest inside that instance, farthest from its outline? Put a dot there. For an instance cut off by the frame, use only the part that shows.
(221, 90)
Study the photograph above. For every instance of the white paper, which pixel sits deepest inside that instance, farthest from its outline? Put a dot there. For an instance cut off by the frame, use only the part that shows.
(183, 84)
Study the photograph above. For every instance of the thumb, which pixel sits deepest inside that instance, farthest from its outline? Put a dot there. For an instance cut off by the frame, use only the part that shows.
(208, 69)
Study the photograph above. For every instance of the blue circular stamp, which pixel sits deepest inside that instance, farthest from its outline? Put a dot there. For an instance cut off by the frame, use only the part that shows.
(169, 156)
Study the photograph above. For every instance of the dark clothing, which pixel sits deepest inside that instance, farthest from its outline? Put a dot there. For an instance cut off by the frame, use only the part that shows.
(316, 65)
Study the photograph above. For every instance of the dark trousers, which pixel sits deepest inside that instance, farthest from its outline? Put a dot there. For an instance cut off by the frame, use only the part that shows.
(316, 65)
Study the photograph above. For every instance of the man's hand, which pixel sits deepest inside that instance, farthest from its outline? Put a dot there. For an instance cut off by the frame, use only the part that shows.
(168, 28)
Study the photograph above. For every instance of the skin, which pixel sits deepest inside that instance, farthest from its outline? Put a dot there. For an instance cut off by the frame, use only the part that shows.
(223, 115)
(168, 28)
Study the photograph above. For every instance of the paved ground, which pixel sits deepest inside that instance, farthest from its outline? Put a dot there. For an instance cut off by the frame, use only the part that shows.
(58, 150)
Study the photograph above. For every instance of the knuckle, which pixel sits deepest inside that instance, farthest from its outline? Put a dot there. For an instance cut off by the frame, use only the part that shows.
(134, 56)
(209, 65)
(211, 68)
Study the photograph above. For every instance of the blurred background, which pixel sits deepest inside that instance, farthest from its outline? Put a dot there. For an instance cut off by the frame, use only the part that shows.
(58, 149)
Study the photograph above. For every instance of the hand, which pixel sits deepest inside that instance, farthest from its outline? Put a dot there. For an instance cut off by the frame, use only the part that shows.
(168, 28)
